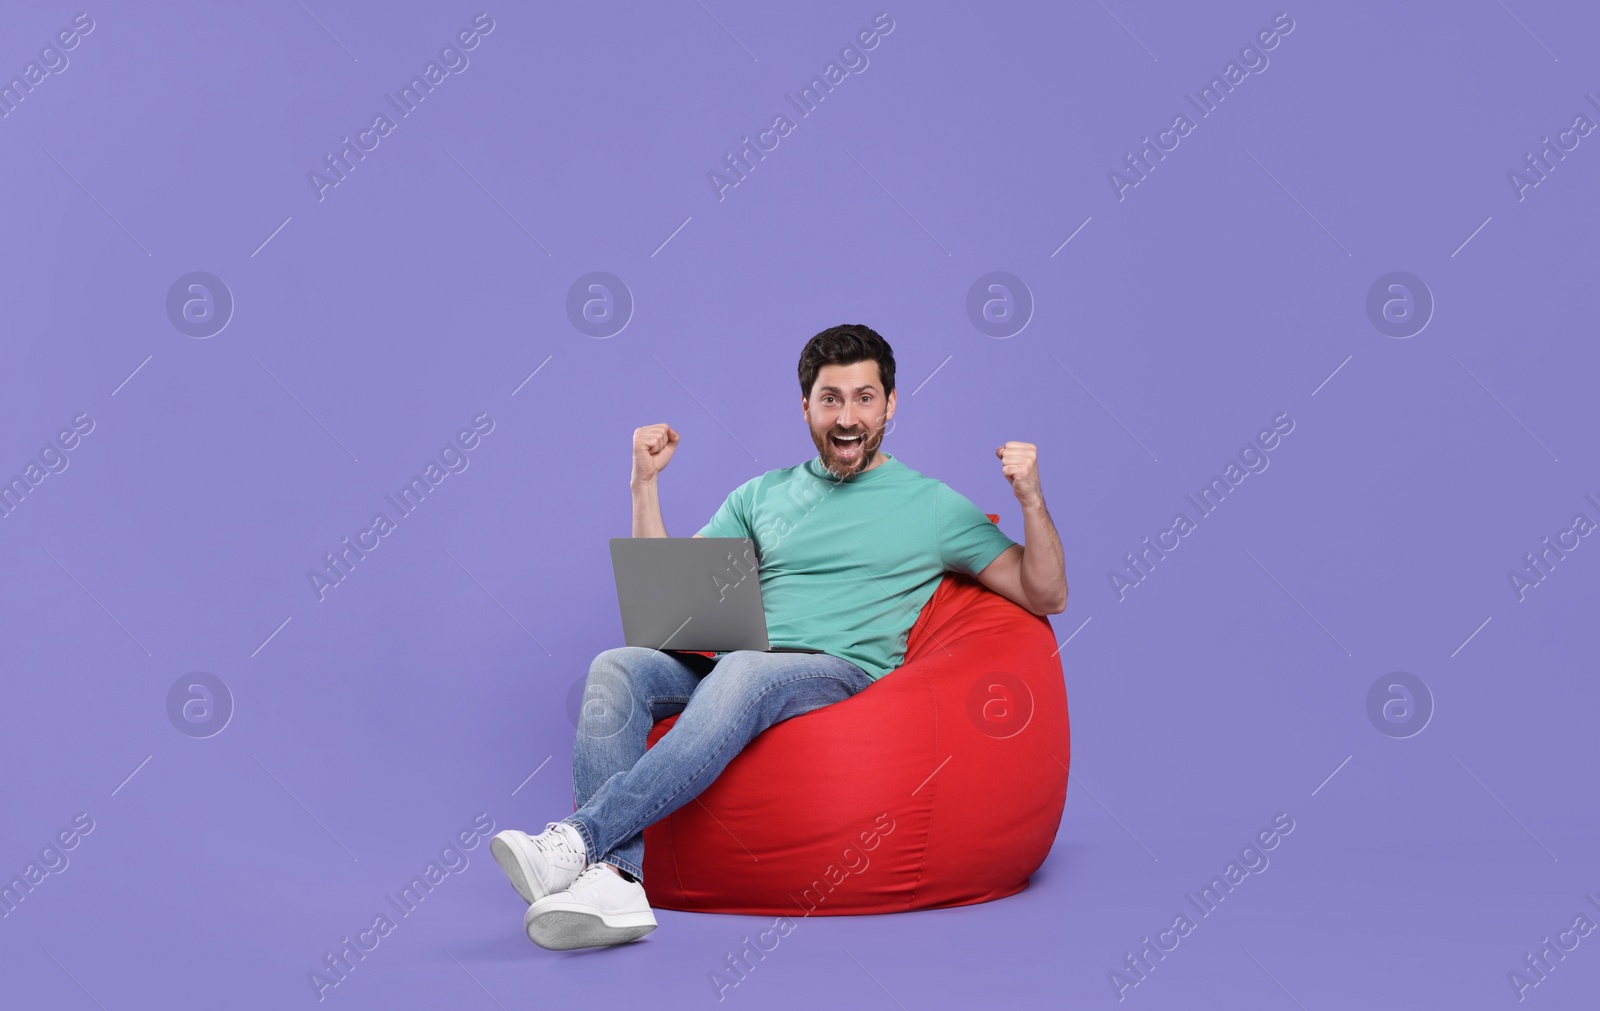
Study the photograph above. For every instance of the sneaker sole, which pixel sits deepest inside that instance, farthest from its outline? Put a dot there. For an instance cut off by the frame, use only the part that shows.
(564, 929)
(521, 875)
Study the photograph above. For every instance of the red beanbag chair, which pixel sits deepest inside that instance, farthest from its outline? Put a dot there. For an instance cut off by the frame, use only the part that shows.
(940, 784)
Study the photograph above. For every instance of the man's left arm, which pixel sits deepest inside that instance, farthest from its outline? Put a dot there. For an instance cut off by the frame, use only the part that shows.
(1034, 573)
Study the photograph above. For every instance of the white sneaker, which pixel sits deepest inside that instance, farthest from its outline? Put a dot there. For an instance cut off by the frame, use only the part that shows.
(600, 908)
(541, 864)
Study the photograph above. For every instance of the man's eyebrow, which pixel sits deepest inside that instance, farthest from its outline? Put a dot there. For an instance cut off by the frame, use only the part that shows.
(835, 389)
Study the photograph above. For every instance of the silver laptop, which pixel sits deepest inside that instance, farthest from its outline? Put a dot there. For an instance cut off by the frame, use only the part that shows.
(691, 593)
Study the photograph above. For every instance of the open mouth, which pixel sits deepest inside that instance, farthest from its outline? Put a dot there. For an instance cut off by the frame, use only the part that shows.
(846, 448)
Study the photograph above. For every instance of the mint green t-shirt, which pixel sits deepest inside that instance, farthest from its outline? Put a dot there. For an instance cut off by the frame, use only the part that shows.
(846, 566)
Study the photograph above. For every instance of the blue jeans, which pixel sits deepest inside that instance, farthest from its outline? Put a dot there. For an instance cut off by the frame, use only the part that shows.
(620, 787)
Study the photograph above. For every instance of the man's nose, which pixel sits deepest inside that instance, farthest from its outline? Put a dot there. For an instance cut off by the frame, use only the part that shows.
(844, 417)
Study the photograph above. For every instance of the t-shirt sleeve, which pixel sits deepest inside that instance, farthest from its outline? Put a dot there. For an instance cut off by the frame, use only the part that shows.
(732, 518)
(968, 540)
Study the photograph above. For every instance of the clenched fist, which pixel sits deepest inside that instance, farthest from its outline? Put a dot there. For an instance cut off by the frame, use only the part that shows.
(652, 448)
(1019, 461)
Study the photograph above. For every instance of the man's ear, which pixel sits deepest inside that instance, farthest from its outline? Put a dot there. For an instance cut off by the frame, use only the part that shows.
(889, 414)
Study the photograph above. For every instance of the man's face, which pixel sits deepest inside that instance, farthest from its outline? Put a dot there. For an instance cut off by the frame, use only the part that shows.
(847, 401)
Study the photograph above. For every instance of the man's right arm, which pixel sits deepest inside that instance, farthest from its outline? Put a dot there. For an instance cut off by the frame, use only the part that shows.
(653, 446)
(647, 510)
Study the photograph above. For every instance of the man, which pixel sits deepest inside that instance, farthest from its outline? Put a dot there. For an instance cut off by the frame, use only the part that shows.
(850, 546)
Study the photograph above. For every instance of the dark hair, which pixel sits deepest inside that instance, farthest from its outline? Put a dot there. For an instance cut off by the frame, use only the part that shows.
(845, 345)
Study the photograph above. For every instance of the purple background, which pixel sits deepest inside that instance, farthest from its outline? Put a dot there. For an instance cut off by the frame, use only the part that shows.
(1224, 290)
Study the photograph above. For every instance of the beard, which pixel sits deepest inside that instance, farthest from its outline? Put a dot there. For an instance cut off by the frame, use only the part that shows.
(842, 469)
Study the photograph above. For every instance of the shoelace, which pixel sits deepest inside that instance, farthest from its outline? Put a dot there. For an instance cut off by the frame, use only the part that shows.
(556, 847)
